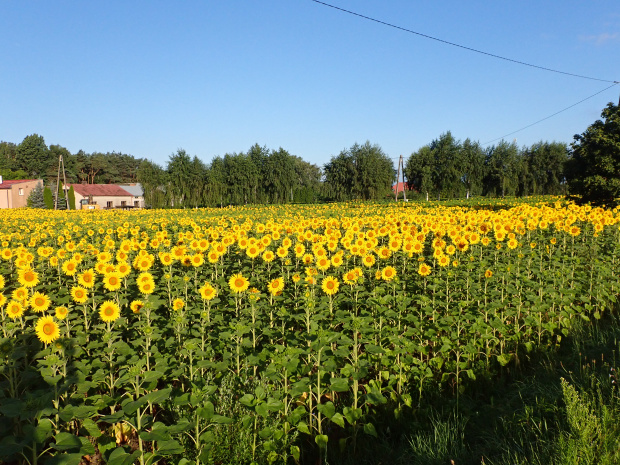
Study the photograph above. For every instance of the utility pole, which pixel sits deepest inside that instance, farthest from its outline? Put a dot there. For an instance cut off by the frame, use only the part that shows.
(401, 169)
(64, 182)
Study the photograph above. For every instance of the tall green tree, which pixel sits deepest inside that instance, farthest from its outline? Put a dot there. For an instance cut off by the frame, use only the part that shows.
(418, 170)
(544, 173)
(280, 177)
(360, 172)
(593, 170)
(180, 178)
(472, 158)
(217, 188)
(33, 156)
(154, 182)
(340, 177)
(502, 167)
(48, 198)
(447, 169)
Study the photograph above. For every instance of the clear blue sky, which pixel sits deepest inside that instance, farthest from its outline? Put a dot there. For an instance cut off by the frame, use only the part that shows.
(215, 77)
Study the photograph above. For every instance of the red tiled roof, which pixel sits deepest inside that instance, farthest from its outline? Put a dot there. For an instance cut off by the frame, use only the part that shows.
(402, 186)
(7, 183)
(108, 190)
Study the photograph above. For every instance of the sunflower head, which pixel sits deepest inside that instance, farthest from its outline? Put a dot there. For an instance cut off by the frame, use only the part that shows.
(47, 329)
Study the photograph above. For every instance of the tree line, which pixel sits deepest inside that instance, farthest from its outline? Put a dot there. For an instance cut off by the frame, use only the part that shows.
(33, 159)
(445, 168)
(448, 168)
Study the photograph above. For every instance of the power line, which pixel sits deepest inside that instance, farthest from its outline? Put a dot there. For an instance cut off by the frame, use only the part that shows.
(462, 46)
(556, 113)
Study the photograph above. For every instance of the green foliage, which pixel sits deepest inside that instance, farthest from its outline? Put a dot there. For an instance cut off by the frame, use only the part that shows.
(594, 166)
(362, 172)
(71, 195)
(48, 198)
(10, 174)
(32, 156)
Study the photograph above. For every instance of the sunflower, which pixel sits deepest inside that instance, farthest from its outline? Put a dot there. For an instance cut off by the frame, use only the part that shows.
(109, 311)
(61, 312)
(20, 294)
(39, 302)
(178, 304)
(512, 244)
(268, 256)
(87, 278)
(330, 285)
(488, 273)
(14, 309)
(79, 294)
(2, 299)
(388, 273)
(197, 260)
(368, 260)
(166, 259)
(47, 329)
(136, 306)
(28, 277)
(123, 269)
(574, 231)
(282, 252)
(350, 277)
(112, 281)
(276, 286)
(443, 261)
(69, 267)
(252, 251)
(207, 292)
(238, 283)
(146, 287)
(2, 282)
(424, 269)
(323, 263)
(299, 250)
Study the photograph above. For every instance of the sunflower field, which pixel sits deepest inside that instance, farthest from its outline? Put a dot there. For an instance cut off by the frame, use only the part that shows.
(270, 334)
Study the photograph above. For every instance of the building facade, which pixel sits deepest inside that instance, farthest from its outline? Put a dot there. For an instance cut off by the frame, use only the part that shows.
(14, 193)
(101, 196)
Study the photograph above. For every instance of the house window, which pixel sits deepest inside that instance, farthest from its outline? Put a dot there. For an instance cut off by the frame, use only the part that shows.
(136, 203)
(123, 203)
(110, 204)
(21, 191)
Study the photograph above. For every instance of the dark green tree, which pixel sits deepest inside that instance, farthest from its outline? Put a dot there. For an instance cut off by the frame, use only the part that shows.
(502, 169)
(593, 171)
(180, 184)
(33, 156)
(472, 167)
(71, 196)
(361, 172)
(418, 170)
(340, 177)
(217, 189)
(48, 198)
(447, 169)
(153, 179)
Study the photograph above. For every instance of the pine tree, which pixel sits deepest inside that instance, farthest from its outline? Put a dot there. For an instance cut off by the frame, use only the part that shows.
(35, 199)
(48, 198)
